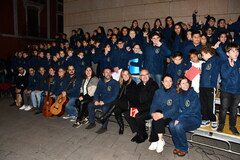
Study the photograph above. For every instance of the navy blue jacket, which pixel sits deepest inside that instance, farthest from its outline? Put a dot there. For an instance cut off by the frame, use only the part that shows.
(186, 50)
(41, 82)
(120, 58)
(166, 102)
(176, 71)
(154, 58)
(32, 82)
(80, 65)
(106, 91)
(105, 61)
(235, 27)
(190, 107)
(60, 86)
(230, 77)
(74, 87)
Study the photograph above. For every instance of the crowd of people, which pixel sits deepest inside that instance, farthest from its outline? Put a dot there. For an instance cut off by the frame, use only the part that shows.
(152, 64)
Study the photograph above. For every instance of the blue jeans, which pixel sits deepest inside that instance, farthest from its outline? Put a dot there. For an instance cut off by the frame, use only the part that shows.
(91, 112)
(36, 98)
(70, 106)
(178, 133)
(157, 78)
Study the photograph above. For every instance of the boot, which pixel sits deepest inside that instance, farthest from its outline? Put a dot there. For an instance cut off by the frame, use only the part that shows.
(105, 116)
(120, 123)
(79, 108)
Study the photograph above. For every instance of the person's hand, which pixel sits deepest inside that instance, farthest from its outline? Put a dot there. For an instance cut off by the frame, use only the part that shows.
(93, 51)
(230, 22)
(101, 103)
(64, 93)
(156, 116)
(145, 34)
(195, 11)
(53, 96)
(216, 45)
(159, 44)
(168, 60)
(176, 122)
(136, 112)
(231, 61)
(96, 103)
(80, 98)
(129, 63)
(29, 91)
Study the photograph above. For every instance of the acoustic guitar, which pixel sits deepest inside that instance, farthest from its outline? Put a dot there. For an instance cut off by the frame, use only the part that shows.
(48, 101)
(58, 107)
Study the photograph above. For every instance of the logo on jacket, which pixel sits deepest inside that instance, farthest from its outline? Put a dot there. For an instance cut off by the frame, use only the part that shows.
(83, 63)
(34, 81)
(179, 72)
(169, 102)
(86, 52)
(109, 88)
(61, 83)
(44, 81)
(209, 66)
(187, 103)
(157, 50)
(108, 59)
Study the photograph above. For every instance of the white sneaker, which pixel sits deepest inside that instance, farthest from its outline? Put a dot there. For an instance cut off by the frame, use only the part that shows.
(67, 117)
(23, 107)
(28, 108)
(160, 145)
(153, 146)
(73, 119)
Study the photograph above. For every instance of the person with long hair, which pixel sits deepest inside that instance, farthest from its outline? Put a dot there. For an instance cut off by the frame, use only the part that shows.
(188, 118)
(87, 90)
(178, 38)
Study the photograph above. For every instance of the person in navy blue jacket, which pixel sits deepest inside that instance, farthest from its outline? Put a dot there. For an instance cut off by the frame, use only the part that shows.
(164, 108)
(154, 56)
(177, 68)
(178, 38)
(134, 39)
(169, 26)
(120, 57)
(42, 61)
(72, 91)
(25, 60)
(157, 26)
(60, 81)
(195, 44)
(125, 35)
(230, 89)
(235, 27)
(188, 118)
(104, 96)
(80, 63)
(32, 84)
(208, 83)
(73, 38)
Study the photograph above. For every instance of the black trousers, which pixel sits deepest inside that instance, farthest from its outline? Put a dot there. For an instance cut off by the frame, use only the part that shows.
(230, 101)
(137, 124)
(207, 98)
(82, 108)
(158, 126)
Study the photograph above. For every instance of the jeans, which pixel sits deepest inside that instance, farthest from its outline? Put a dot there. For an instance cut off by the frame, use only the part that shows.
(178, 133)
(91, 112)
(157, 78)
(70, 106)
(27, 99)
(231, 101)
(36, 98)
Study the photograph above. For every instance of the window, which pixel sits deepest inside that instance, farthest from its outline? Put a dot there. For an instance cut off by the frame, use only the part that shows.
(32, 21)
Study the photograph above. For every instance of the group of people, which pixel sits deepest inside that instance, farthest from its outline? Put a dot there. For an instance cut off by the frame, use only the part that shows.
(152, 64)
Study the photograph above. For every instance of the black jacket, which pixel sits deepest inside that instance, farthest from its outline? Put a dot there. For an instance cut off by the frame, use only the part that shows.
(144, 95)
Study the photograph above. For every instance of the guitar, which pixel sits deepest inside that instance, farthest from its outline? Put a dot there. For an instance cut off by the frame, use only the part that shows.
(48, 101)
(58, 107)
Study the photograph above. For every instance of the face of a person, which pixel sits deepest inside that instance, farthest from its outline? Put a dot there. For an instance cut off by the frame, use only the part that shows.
(31, 71)
(194, 58)
(184, 85)
(196, 39)
(177, 29)
(167, 82)
(144, 76)
(125, 76)
(132, 34)
(51, 72)
(81, 55)
(114, 38)
(108, 48)
(135, 24)
(71, 70)
(205, 56)
(203, 40)
(189, 35)
(209, 31)
(177, 60)
(120, 44)
(136, 49)
(61, 72)
(88, 72)
(223, 38)
(211, 22)
(62, 54)
(155, 39)
(158, 23)
(107, 74)
(124, 32)
(41, 70)
(21, 70)
(233, 54)
(222, 24)
(169, 21)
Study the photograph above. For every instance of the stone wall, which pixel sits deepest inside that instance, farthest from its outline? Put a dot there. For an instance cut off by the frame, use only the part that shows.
(89, 14)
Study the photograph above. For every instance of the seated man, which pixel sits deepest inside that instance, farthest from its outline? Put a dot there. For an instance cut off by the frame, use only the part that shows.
(104, 96)
(144, 94)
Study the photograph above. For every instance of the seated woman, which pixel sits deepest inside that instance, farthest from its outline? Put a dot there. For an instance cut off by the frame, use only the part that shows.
(87, 90)
(188, 119)
(124, 101)
(164, 108)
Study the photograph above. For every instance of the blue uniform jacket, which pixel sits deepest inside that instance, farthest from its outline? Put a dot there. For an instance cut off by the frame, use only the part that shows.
(190, 107)
(104, 60)
(80, 65)
(60, 86)
(186, 50)
(106, 91)
(176, 71)
(74, 88)
(167, 102)
(120, 58)
(154, 58)
(32, 82)
(230, 77)
(39, 86)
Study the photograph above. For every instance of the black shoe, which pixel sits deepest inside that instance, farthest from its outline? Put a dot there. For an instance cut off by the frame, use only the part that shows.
(141, 138)
(135, 138)
(101, 120)
(90, 126)
(121, 130)
(13, 104)
(234, 130)
(101, 130)
(38, 112)
(220, 128)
